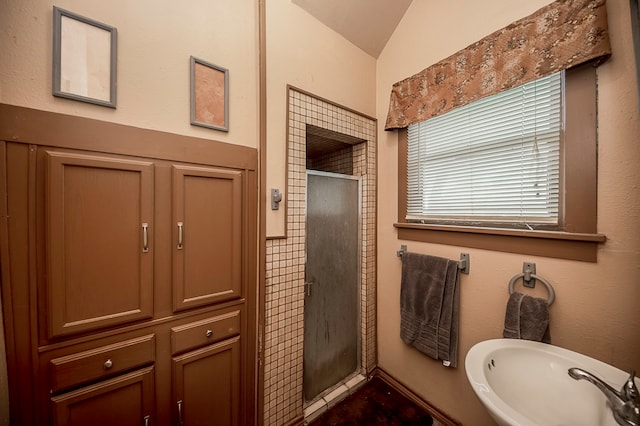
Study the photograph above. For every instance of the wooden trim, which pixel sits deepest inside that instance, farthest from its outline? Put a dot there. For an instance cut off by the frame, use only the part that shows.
(403, 172)
(551, 235)
(582, 249)
(580, 151)
(33, 193)
(409, 394)
(19, 124)
(14, 250)
(284, 205)
(262, 214)
(634, 6)
(253, 303)
(5, 278)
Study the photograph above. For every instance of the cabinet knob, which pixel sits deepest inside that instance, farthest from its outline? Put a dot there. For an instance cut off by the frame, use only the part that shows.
(209, 333)
(108, 364)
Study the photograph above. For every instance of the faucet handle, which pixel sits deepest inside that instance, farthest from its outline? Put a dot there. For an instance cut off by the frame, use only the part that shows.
(629, 390)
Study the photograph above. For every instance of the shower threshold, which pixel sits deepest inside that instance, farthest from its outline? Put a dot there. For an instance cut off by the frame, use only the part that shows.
(319, 405)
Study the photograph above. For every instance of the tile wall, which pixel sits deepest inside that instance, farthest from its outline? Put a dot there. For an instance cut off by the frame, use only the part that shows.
(284, 314)
(336, 162)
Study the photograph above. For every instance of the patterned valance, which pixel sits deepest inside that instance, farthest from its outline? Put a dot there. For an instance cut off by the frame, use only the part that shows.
(561, 35)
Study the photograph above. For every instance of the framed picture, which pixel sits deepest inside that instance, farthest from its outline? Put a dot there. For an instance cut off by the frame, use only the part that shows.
(84, 59)
(209, 95)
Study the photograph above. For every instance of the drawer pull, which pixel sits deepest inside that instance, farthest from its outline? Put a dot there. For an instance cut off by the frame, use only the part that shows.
(209, 333)
(180, 235)
(146, 420)
(180, 413)
(145, 238)
(108, 364)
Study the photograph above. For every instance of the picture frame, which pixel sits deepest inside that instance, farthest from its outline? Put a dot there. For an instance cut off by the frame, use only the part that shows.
(209, 95)
(84, 59)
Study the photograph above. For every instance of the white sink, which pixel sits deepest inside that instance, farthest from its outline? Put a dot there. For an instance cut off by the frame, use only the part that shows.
(524, 383)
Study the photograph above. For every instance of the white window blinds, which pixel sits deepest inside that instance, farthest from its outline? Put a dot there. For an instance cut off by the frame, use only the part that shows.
(494, 160)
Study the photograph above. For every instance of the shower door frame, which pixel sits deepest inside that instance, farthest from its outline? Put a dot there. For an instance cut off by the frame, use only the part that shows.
(360, 234)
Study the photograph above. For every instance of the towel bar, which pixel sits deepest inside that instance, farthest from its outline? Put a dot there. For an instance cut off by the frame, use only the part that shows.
(463, 263)
(528, 277)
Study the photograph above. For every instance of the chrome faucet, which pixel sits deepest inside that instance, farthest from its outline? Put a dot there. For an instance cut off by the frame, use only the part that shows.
(624, 403)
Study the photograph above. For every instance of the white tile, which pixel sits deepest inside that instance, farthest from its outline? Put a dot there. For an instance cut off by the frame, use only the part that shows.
(337, 395)
(314, 410)
(355, 382)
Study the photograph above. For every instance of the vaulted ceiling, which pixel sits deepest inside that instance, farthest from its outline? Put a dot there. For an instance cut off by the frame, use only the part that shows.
(366, 23)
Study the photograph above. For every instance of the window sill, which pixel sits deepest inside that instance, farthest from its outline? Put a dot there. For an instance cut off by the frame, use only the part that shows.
(561, 245)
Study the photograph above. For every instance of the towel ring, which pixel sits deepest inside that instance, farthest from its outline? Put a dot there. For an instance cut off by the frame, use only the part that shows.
(552, 293)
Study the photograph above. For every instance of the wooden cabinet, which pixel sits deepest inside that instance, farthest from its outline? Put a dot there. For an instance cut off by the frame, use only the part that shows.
(99, 218)
(128, 283)
(207, 385)
(126, 400)
(95, 364)
(206, 379)
(204, 332)
(207, 206)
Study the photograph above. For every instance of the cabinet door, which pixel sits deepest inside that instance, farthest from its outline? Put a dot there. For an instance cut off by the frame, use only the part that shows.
(124, 401)
(99, 257)
(207, 210)
(207, 385)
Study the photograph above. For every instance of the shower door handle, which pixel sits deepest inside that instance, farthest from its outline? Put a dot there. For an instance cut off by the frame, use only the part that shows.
(307, 288)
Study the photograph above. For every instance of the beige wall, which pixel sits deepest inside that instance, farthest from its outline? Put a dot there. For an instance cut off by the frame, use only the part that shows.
(596, 310)
(155, 40)
(306, 54)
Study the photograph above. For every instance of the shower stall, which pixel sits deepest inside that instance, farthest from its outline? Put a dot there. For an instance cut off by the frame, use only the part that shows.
(332, 281)
(320, 330)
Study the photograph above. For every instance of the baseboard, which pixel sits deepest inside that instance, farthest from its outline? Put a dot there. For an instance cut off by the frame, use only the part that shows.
(409, 394)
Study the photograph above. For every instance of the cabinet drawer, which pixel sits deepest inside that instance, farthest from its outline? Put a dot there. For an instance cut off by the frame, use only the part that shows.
(128, 399)
(98, 363)
(200, 333)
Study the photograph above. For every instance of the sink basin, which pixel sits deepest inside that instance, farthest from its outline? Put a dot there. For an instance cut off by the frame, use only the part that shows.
(524, 383)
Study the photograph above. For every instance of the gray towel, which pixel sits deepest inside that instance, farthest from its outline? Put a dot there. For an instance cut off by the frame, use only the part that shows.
(527, 318)
(429, 306)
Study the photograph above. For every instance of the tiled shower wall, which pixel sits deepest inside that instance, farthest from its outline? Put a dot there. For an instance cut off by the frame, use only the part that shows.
(284, 314)
(336, 162)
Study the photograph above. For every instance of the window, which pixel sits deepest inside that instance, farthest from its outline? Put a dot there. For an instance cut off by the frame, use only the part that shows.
(493, 161)
(563, 223)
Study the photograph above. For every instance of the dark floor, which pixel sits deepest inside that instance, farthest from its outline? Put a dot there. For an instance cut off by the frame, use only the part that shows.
(375, 403)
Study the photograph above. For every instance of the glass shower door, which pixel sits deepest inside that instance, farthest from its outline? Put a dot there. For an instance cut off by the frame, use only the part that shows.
(331, 310)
